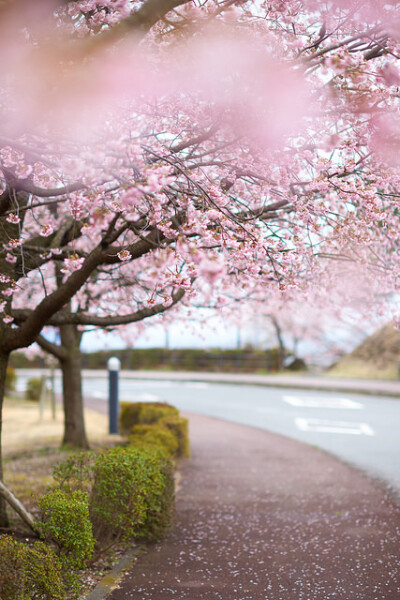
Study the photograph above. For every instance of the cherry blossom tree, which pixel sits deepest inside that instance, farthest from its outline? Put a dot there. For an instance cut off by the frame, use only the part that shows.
(236, 145)
(318, 333)
(109, 297)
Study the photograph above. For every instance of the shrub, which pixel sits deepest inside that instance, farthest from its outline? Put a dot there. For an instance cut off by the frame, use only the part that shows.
(154, 435)
(66, 523)
(12, 560)
(297, 364)
(75, 473)
(34, 388)
(128, 416)
(179, 426)
(135, 413)
(126, 480)
(131, 490)
(152, 413)
(44, 575)
(160, 503)
(11, 379)
(29, 573)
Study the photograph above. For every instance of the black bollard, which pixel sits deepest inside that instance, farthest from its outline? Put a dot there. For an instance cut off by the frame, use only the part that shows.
(114, 365)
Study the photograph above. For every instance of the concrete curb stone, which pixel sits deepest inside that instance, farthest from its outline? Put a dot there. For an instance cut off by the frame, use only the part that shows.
(111, 580)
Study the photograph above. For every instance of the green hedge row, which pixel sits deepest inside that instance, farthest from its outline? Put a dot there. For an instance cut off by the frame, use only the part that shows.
(99, 498)
(185, 359)
(155, 424)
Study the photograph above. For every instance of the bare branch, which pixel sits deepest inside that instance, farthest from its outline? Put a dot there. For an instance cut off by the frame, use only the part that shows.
(53, 349)
(18, 507)
(30, 188)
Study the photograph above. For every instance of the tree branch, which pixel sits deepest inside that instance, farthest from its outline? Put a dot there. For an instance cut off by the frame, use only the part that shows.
(27, 186)
(27, 333)
(138, 23)
(5, 201)
(68, 318)
(18, 507)
(53, 349)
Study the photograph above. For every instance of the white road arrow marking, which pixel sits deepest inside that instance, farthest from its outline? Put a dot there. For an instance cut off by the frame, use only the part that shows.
(322, 402)
(326, 426)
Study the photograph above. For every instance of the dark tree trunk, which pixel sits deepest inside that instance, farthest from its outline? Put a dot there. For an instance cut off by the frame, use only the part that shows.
(281, 344)
(74, 422)
(3, 371)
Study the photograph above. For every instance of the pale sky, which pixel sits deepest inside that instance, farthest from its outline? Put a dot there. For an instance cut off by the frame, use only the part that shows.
(218, 335)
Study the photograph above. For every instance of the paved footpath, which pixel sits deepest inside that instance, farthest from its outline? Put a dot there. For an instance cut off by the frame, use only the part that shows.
(262, 517)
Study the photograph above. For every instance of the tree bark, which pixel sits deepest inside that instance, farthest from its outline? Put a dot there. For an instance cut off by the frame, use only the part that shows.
(18, 507)
(3, 370)
(281, 344)
(71, 365)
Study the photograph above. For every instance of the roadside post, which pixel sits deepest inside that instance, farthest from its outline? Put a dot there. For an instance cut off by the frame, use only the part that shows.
(114, 366)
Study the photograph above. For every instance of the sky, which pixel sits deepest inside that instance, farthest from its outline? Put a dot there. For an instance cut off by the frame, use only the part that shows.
(178, 335)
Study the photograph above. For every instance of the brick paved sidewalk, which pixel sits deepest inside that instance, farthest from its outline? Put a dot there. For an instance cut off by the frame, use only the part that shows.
(262, 517)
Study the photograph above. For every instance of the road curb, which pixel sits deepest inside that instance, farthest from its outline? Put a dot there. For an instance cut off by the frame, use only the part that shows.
(317, 388)
(111, 580)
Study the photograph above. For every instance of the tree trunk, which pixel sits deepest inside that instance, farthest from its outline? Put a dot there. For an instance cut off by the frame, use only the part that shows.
(281, 344)
(3, 371)
(74, 423)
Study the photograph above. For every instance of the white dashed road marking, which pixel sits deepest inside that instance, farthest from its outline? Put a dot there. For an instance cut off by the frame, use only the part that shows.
(147, 398)
(325, 426)
(322, 402)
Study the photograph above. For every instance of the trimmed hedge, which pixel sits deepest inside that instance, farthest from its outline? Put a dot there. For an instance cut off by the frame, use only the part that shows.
(75, 473)
(179, 426)
(157, 436)
(143, 413)
(217, 360)
(153, 413)
(160, 505)
(65, 523)
(151, 423)
(29, 572)
(131, 490)
(129, 484)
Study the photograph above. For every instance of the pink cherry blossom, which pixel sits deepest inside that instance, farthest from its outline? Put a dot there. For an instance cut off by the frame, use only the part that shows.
(46, 230)
(72, 263)
(11, 258)
(23, 171)
(13, 218)
(124, 255)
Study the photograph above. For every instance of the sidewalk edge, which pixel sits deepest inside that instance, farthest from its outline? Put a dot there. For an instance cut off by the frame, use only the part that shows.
(111, 580)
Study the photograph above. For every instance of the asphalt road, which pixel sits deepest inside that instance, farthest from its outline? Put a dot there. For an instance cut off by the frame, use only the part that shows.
(362, 430)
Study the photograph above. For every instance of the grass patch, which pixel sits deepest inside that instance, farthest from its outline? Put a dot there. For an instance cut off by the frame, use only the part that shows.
(358, 369)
